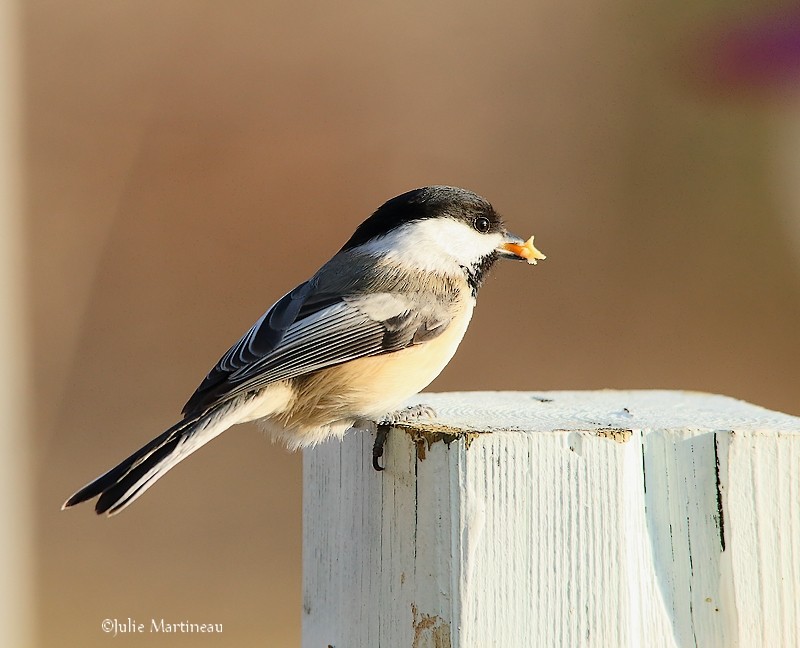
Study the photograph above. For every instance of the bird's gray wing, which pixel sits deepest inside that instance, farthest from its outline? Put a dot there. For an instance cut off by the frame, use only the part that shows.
(308, 330)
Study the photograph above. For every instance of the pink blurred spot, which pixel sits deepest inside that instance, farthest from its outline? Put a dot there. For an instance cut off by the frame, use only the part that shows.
(764, 52)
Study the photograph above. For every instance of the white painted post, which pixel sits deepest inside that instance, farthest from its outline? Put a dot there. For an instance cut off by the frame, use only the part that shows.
(620, 519)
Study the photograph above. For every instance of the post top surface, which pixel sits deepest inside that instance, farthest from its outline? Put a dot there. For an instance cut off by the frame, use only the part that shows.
(645, 410)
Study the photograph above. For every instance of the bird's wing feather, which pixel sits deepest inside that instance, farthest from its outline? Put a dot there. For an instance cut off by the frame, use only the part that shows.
(308, 330)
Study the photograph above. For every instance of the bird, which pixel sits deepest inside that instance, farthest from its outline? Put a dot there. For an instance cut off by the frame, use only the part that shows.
(373, 327)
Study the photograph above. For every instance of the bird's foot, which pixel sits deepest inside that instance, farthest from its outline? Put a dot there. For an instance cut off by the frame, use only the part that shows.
(383, 426)
(411, 413)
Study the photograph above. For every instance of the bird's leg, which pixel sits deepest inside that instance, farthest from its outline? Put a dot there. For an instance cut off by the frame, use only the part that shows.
(406, 414)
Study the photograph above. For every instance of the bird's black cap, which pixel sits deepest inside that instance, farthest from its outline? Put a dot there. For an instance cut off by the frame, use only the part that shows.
(419, 204)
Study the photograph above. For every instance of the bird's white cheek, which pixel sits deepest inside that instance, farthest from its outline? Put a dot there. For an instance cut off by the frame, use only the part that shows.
(466, 246)
(434, 245)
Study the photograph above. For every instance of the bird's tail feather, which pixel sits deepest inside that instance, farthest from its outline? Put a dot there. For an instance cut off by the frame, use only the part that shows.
(125, 482)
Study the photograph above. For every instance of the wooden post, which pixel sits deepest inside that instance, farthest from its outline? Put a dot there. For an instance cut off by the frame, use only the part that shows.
(558, 519)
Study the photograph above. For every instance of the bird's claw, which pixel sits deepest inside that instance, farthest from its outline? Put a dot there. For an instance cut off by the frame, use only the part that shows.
(411, 413)
(377, 448)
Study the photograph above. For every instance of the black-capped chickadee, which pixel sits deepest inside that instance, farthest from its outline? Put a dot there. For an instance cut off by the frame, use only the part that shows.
(374, 326)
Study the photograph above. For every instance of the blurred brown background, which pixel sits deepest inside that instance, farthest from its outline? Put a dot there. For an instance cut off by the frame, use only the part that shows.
(187, 162)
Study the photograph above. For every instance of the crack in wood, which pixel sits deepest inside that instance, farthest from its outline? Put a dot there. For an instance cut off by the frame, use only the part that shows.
(719, 518)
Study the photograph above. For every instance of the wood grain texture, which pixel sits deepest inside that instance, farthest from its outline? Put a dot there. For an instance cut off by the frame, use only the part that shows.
(607, 518)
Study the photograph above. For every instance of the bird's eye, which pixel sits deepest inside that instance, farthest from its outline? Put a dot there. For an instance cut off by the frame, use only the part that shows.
(482, 224)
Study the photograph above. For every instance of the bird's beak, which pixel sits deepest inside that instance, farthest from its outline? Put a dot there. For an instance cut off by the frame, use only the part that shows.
(515, 248)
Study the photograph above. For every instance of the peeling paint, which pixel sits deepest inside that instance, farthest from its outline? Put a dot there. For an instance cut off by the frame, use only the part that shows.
(620, 435)
(424, 438)
(430, 631)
